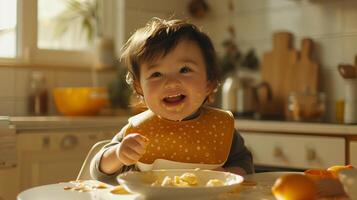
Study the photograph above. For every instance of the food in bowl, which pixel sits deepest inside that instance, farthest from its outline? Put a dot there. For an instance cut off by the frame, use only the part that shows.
(294, 187)
(119, 189)
(214, 183)
(180, 183)
(80, 101)
(185, 180)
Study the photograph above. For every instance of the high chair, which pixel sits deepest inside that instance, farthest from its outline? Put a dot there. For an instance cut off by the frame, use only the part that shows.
(84, 173)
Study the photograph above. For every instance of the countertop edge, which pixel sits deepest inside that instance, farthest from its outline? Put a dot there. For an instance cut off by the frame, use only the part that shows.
(295, 127)
(61, 122)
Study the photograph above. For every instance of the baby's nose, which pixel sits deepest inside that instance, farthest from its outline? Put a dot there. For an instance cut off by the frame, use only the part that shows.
(172, 83)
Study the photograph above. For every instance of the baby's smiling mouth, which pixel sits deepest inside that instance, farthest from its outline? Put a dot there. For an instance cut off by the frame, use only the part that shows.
(174, 99)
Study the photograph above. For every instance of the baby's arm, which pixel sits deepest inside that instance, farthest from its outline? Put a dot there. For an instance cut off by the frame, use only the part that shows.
(128, 152)
(240, 160)
(95, 166)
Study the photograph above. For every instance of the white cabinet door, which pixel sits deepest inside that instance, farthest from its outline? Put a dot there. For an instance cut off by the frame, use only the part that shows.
(55, 156)
(53, 167)
(295, 151)
(9, 183)
(353, 153)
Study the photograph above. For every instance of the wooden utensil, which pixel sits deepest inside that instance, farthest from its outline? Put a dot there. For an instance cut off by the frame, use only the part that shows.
(347, 71)
(304, 75)
(275, 70)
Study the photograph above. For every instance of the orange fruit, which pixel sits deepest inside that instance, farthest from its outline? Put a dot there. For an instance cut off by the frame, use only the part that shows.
(336, 168)
(294, 187)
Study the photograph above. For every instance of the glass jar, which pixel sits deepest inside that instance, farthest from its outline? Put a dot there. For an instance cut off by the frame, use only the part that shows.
(38, 94)
(306, 107)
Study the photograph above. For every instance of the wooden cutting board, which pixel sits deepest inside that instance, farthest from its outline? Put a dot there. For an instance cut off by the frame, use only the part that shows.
(304, 75)
(275, 70)
(287, 70)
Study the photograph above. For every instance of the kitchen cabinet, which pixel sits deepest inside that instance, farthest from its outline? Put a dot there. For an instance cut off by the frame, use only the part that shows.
(50, 149)
(296, 145)
(55, 156)
(9, 186)
(353, 153)
(295, 151)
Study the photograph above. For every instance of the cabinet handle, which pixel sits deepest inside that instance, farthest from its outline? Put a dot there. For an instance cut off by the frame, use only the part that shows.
(46, 142)
(69, 142)
(311, 154)
(278, 152)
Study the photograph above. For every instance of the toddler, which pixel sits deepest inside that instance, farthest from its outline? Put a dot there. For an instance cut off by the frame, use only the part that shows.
(172, 66)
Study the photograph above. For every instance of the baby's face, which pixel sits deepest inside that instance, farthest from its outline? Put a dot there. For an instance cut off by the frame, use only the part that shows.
(175, 86)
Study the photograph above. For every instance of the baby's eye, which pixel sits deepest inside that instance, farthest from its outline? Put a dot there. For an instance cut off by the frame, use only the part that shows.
(155, 75)
(185, 70)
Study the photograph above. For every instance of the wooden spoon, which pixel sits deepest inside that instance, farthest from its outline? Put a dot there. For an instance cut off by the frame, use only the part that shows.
(347, 71)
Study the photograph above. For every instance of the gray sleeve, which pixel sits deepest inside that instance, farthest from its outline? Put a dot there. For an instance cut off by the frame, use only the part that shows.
(95, 171)
(239, 155)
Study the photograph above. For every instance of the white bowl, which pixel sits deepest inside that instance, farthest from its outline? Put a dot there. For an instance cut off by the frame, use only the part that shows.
(159, 164)
(140, 182)
(348, 178)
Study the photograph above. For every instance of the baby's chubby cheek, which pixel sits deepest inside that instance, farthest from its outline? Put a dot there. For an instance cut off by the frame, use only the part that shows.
(198, 98)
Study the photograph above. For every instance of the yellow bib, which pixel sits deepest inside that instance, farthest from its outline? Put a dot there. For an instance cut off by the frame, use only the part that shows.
(206, 139)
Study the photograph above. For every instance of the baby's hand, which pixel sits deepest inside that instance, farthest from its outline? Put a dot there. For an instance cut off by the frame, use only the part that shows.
(132, 148)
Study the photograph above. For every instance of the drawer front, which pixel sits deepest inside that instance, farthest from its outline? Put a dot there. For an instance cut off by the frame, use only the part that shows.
(295, 151)
(353, 153)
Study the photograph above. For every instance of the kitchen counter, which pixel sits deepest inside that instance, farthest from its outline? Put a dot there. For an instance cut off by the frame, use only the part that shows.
(296, 127)
(61, 122)
(299, 145)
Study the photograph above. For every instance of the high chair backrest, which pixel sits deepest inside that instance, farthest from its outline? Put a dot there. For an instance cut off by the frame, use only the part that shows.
(84, 173)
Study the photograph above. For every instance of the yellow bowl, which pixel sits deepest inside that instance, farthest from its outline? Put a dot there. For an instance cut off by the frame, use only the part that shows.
(80, 101)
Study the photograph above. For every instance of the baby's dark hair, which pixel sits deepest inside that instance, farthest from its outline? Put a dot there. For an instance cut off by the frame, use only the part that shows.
(158, 38)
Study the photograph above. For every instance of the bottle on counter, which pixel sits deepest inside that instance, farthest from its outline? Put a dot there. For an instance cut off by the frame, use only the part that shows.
(38, 94)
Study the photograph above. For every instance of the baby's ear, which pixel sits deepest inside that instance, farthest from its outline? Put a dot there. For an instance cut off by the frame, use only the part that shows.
(137, 88)
(211, 87)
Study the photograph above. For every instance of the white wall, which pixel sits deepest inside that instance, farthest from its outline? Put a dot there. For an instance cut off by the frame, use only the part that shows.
(139, 12)
(332, 24)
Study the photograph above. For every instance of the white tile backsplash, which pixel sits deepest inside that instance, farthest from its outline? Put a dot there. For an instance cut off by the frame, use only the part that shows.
(20, 107)
(349, 50)
(137, 18)
(7, 106)
(73, 79)
(350, 16)
(7, 80)
(22, 77)
(106, 78)
(157, 6)
(329, 51)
